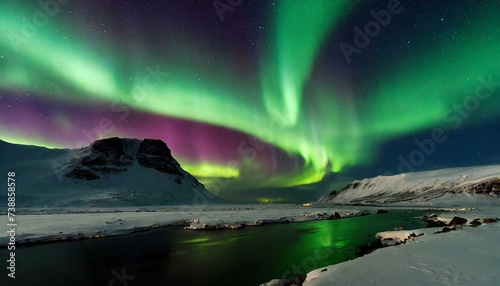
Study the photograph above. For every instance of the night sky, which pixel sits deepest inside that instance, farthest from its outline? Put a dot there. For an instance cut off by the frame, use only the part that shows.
(268, 101)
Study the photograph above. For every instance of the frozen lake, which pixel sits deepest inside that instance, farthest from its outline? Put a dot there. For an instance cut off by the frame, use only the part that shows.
(174, 256)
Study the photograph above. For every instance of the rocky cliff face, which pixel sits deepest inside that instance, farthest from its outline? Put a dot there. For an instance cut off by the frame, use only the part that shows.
(114, 155)
(107, 156)
(155, 154)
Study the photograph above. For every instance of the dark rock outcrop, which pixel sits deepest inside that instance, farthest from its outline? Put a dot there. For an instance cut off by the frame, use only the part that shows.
(299, 281)
(106, 156)
(115, 155)
(486, 188)
(82, 174)
(155, 154)
(369, 248)
(446, 229)
(475, 222)
(433, 221)
(107, 152)
(456, 220)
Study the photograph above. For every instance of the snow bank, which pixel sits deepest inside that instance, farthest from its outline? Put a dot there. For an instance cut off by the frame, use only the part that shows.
(38, 226)
(389, 238)
(469, 256)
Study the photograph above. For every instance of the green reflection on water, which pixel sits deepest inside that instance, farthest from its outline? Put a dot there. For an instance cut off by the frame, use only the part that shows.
(285, 250)
(179, 257)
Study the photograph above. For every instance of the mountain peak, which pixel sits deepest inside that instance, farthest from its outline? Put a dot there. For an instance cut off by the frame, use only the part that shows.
(109, 172)
(114, 155)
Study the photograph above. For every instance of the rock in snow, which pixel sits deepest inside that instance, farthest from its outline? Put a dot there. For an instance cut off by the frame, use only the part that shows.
(457, 220)
(389, 238)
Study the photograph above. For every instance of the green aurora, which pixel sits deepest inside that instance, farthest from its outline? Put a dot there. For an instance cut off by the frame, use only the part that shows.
(329, 125)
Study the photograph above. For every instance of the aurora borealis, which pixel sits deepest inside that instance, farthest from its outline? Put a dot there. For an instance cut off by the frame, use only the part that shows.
(264, 99)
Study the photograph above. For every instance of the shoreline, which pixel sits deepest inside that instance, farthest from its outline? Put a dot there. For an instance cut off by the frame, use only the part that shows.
(38, 226)
(455, 238)
(42, 226)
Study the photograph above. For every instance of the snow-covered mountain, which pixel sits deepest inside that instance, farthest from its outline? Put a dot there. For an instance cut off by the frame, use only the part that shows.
(110, 172)
(446, 187)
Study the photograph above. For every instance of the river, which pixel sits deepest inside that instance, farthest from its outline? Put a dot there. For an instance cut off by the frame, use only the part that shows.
(174, 256)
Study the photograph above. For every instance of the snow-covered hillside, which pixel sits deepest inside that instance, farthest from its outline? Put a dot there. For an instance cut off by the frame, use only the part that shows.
(457, 186)
(111, 172)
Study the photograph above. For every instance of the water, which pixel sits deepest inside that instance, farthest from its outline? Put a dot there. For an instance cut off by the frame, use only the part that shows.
(173, 256)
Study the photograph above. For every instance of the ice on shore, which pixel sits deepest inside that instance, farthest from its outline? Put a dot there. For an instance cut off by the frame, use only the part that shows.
(469, 256)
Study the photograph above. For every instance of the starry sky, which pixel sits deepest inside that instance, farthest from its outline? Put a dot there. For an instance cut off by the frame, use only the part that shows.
(263, 101)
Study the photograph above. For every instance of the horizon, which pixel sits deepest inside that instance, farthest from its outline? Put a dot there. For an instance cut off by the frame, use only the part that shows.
(268, 200)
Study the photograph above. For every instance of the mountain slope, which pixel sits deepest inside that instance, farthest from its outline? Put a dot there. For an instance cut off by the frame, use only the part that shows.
(109, 172)
(441, 187)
